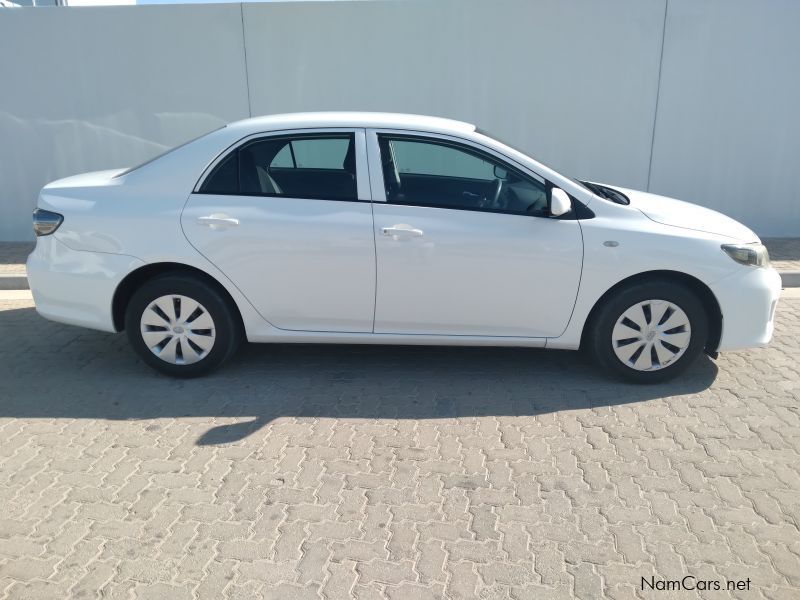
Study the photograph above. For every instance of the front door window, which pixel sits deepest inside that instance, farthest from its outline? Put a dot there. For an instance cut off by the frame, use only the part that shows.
(437, 173)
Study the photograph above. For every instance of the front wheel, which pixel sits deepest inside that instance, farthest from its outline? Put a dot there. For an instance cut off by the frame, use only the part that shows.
(649, 332)
(181, 326)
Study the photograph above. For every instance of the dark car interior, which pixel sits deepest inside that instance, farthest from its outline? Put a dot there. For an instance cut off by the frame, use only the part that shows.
(496, 188)
(301, 167)
(426, 173)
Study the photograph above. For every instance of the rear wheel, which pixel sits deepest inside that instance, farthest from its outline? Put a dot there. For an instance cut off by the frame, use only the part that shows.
(649, 332)
(181, 326)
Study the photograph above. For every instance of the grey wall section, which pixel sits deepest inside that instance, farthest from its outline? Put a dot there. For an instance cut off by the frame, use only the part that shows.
(579, 84)
(728, 129)
(534, 73)
(84, 89)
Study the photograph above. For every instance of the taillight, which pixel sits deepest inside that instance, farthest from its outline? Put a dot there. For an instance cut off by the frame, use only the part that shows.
(46, 222)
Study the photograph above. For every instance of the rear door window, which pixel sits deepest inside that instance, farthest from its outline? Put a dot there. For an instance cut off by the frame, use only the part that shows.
(315, 166)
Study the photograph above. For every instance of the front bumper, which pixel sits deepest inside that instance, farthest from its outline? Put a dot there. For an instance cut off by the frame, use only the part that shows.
(747, 299)
(75, 286)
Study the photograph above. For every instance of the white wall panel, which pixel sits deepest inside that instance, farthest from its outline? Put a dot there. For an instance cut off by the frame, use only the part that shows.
(96, 88)
(728, 129)
(572, 82)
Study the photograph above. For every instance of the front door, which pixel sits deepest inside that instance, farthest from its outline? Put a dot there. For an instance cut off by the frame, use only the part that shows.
(288, 219)
(464, 244)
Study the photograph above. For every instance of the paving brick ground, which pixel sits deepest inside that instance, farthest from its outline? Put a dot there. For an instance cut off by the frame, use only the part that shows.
(400, 473)
(13, 256)
(784, 253)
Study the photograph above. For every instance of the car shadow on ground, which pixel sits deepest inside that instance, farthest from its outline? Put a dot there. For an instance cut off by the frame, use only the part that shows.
(49, 370)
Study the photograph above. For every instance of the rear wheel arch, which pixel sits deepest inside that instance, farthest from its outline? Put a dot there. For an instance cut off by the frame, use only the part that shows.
(700, 289)
(135, 279)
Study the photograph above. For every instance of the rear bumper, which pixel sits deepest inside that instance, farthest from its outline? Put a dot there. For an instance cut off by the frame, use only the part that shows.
(74, 286)
(747, 299)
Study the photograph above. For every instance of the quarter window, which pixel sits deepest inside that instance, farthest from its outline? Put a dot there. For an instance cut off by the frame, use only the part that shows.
(427, 172)
(308, 166)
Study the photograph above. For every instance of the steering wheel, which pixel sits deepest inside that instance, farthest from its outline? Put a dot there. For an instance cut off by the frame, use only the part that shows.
(538, 206)
(492, 197)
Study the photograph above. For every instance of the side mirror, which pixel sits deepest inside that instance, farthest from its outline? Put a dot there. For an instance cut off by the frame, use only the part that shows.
(560, 204)
(500, 172)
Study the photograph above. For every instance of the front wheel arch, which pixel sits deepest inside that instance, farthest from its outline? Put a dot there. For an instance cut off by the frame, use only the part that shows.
(703, 292)
(136, 278)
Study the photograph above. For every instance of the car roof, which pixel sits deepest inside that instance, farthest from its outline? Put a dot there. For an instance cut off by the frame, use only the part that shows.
(377, 120)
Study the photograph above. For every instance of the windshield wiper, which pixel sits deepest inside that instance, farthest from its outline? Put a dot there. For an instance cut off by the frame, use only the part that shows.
(608, 193)
(595, 189)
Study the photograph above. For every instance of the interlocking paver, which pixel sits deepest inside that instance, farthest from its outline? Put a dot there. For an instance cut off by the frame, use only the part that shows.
(355, 472)
(784, 253)
(13, 256)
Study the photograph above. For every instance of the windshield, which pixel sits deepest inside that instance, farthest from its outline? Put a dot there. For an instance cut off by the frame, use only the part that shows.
(606, 192)
(505, 143)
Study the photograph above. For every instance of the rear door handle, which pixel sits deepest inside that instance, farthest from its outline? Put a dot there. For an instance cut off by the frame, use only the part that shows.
(218, 221)
(402, 231)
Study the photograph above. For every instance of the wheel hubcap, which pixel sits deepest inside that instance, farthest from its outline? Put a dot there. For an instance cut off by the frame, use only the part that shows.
(177, 329)
(651, 335)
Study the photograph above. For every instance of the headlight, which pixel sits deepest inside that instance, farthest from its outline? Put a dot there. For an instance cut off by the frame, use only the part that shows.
(46, 222)
(753, 255)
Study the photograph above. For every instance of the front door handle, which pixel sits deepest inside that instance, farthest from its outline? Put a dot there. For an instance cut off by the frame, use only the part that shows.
(218, 221)
(402, 231)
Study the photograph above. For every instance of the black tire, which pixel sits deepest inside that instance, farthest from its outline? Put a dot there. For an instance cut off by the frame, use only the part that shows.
(227, 330)
(600, 342)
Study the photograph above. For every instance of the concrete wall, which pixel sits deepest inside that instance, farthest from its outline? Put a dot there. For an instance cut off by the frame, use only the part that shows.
(727, 133)
(696, 100)
(96, 88)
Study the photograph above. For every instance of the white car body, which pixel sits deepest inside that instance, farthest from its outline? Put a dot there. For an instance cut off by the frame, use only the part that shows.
(302, 270)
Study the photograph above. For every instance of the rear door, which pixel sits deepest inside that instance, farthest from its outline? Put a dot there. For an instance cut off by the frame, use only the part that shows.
(287, 218)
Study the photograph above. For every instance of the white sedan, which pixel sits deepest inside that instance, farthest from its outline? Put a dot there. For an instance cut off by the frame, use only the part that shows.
(391, 229)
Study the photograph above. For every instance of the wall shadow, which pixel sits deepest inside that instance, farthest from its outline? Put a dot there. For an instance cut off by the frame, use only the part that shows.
(49, 370)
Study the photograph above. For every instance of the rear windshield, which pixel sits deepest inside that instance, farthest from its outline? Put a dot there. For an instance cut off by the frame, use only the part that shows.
(163, 154)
